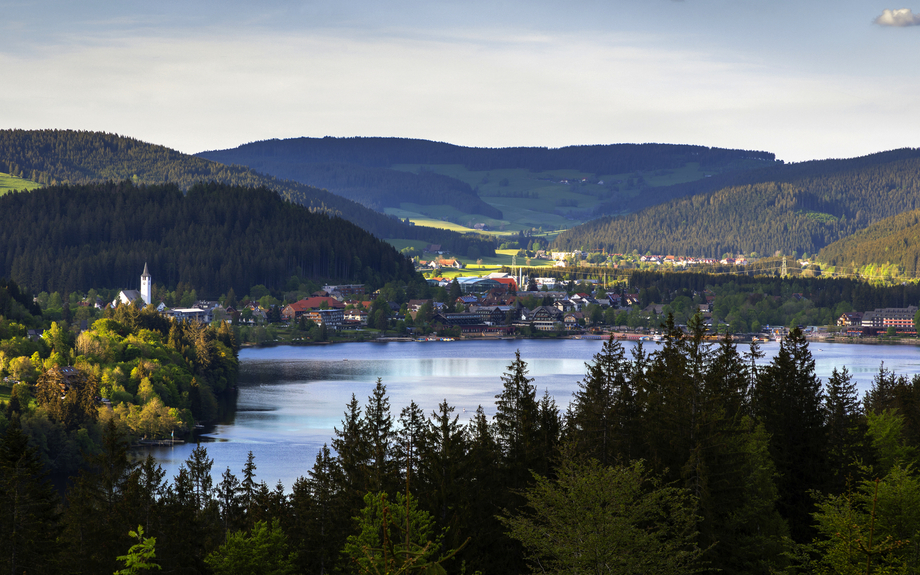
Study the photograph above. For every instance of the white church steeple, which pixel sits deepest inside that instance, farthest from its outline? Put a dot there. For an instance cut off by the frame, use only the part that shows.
(146, 286)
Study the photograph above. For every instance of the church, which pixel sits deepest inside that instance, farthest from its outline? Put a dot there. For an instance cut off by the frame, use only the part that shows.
(132, 295)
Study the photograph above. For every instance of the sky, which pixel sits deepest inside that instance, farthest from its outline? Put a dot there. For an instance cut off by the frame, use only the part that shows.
(804, 80)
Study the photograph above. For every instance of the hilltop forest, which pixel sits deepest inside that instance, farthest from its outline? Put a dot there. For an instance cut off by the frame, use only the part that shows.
(215, 237)
(74, 157)
(894, 240)
(797, 214)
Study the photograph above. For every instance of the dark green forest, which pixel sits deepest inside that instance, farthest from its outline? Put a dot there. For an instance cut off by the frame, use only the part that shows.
(692, 458)
(76, 157)
(214, 237)
(800, 213)
(894, 240)
(386, 152)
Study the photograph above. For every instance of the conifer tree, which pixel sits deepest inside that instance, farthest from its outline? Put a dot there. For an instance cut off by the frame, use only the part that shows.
(516, 421)
(843, 415)
(789, 402)
(353, 453)
(381, 439)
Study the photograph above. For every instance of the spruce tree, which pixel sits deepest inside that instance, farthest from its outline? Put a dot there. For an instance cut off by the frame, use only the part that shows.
(789, 402)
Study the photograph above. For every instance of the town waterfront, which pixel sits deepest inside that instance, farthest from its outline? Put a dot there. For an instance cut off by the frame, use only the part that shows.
(292, 397)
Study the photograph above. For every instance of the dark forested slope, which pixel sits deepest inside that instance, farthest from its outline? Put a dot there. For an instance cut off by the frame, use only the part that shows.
(379, 188)
(894, 240)
(56, 156)
(77, 237)
(803, 208)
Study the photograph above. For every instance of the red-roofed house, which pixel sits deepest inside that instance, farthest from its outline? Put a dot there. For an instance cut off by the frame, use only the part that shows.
(299, 308)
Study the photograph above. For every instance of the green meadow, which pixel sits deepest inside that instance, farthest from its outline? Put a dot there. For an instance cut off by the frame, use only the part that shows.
(551, 200)
(9, 183)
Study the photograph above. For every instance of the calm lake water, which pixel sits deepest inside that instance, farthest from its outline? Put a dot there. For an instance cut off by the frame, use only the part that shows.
(291, 398)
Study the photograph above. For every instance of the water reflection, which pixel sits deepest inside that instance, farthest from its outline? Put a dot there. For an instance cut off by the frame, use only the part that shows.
(290, 399)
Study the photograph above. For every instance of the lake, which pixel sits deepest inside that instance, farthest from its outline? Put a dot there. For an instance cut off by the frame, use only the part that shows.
(291, 398)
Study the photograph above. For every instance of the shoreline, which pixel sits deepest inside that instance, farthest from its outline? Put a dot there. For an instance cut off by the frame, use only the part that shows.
(620, 336)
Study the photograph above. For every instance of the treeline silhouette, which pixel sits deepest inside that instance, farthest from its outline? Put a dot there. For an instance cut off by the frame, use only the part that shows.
(386, 152)
(803, 214)
(66, 156)
(768, 457)
(215, 237)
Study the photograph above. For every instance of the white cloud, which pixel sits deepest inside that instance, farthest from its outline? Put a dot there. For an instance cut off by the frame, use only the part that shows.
(901, 17)
(470, 87)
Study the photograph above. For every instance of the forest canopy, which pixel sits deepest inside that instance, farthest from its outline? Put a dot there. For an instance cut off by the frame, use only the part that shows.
(78, 237)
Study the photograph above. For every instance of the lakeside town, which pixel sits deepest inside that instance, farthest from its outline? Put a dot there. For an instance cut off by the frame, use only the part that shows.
(496, 304)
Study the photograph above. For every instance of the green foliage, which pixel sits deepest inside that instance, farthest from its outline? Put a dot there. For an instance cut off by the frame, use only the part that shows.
(264, 550)
(597, 519)
(140, 556)
(395, 537)
(872, 529)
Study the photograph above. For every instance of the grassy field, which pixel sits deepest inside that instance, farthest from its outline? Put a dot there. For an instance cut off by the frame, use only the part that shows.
(8, 182)
(552, 200)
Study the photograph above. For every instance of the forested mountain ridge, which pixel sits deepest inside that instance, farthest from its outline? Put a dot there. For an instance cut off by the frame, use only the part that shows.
(894, 241)
(805, 210)
(386, 152)
(77, 157)
(214, 237)
(398, 173)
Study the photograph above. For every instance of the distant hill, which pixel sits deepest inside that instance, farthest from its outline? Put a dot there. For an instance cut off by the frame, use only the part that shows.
(65, 156)
(793, 208)
(495, 183)
(387, 152)
(81, 236)
(892, 241)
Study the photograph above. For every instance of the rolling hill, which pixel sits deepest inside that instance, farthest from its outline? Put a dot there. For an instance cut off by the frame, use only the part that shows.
(213, 237)
(894, 241)
(793, 208)
(75, 157)
(503, 188)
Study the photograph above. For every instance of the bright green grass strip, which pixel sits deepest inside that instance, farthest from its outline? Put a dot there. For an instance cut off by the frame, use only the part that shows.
(9, 183)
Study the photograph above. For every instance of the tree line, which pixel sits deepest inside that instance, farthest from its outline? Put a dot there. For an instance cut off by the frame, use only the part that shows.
(694, 457)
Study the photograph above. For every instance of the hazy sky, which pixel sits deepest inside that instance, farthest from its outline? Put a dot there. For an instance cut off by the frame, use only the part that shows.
(804, 79)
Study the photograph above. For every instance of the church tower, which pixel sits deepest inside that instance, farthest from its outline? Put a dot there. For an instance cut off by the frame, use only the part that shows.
(146, 286)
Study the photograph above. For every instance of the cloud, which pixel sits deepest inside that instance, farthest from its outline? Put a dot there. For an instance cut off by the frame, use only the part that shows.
(900, 18)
